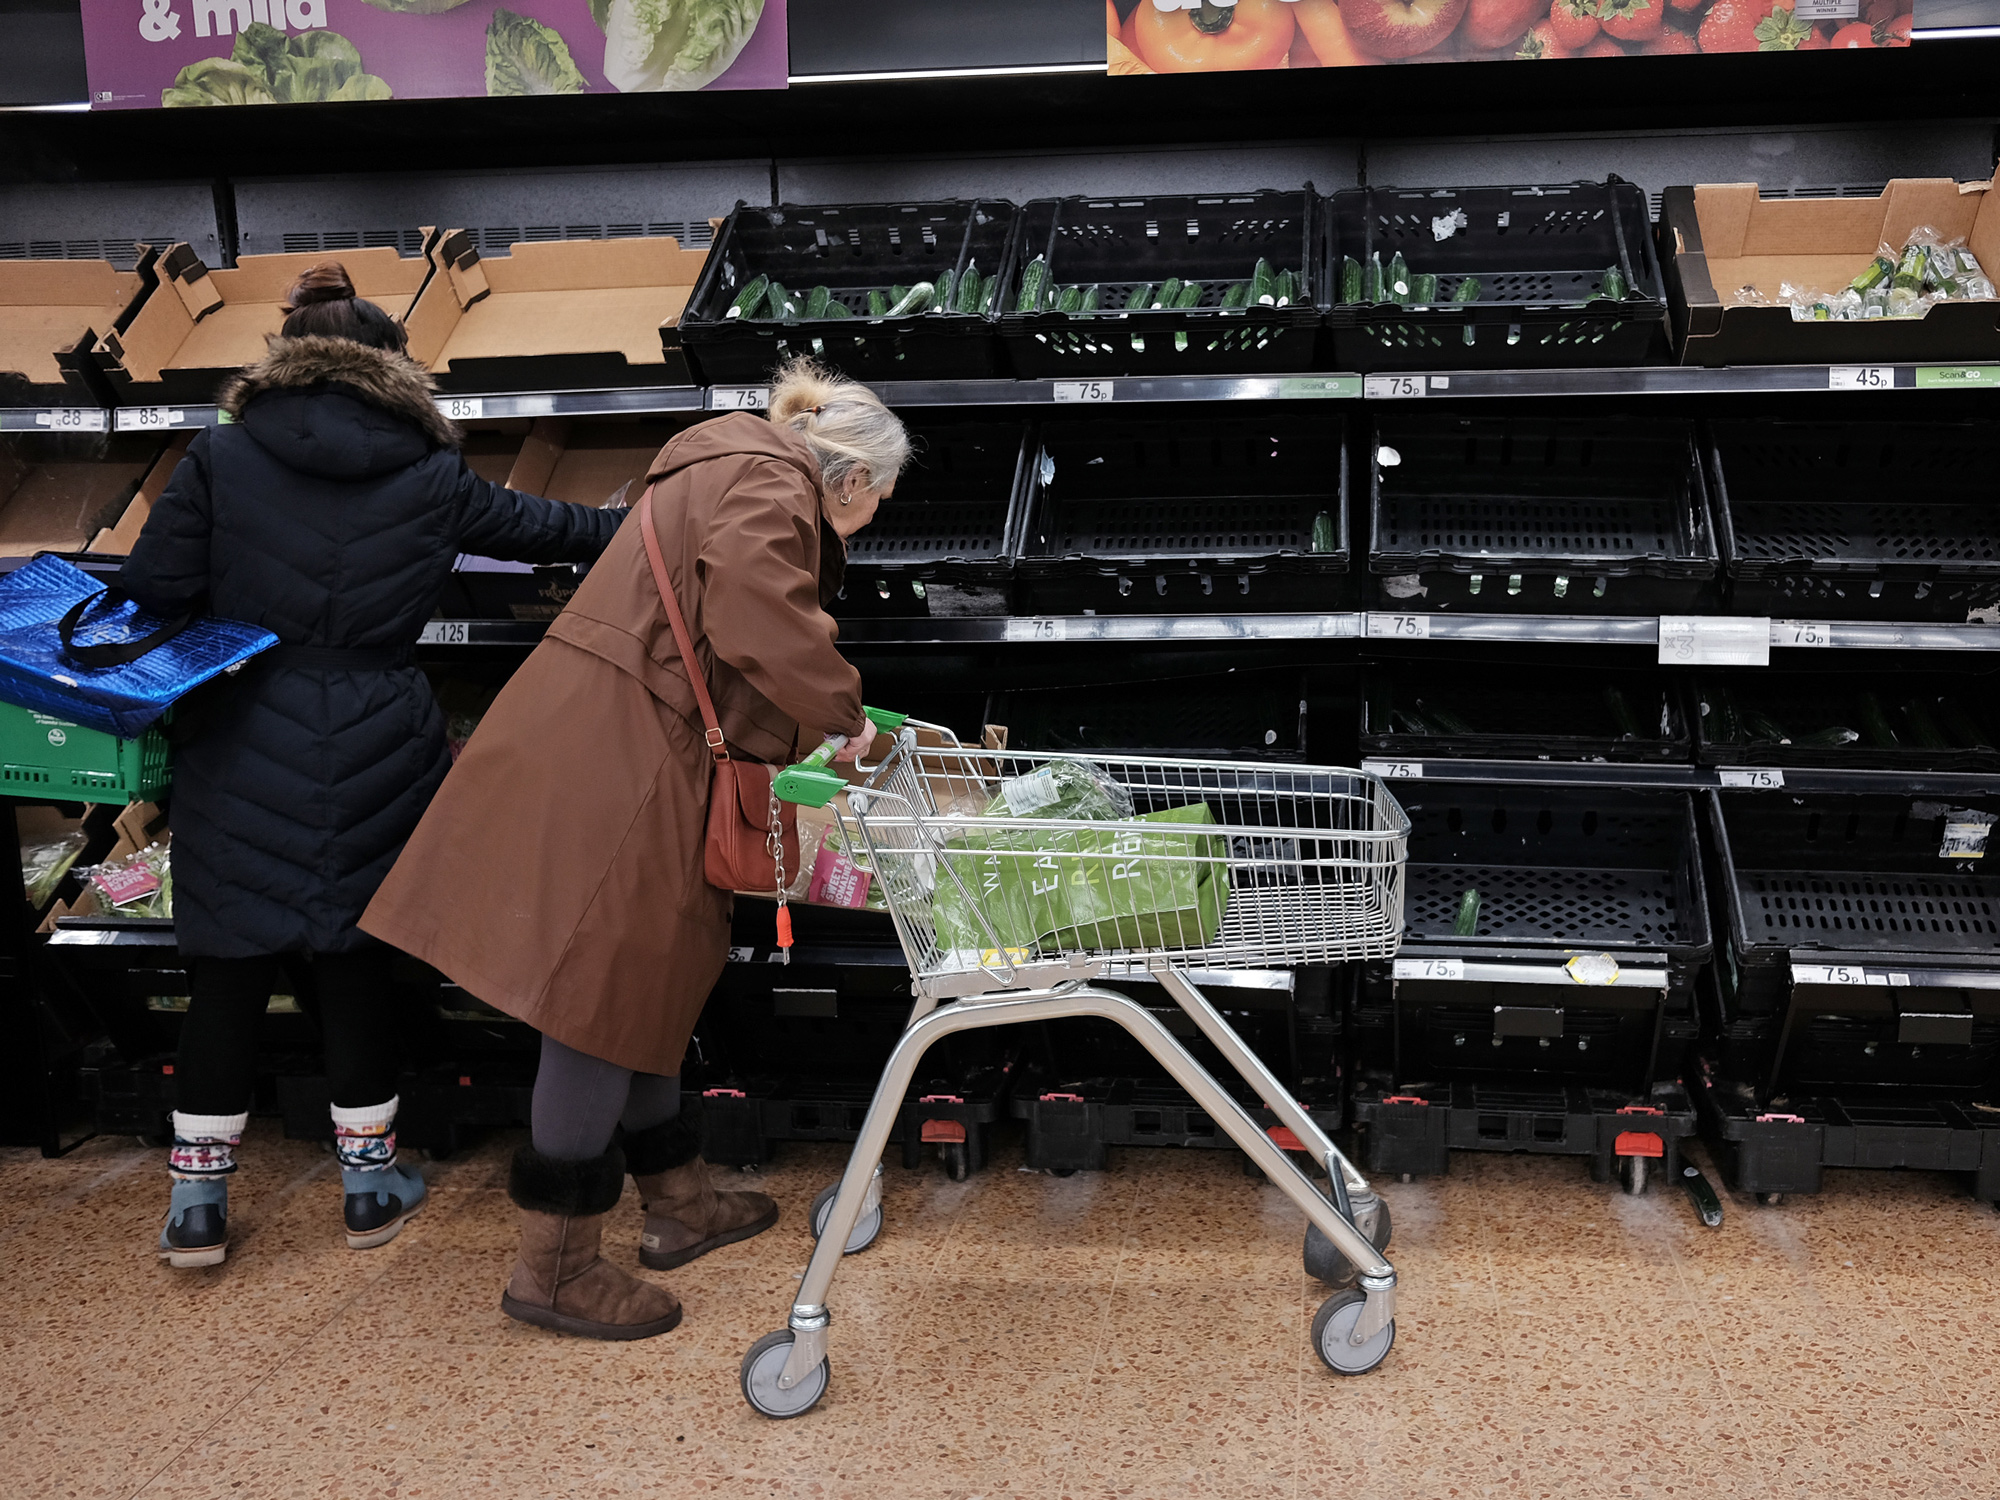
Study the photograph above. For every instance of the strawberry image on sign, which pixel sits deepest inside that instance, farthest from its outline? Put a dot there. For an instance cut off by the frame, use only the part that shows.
(1573, 23)
(1541, 44)
(1602, 46)
(1894, 32)
(1670, 43)
(1630, 20)
(1731, 25)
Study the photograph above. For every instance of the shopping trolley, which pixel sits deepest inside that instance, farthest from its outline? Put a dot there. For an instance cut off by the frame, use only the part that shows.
(1010, 918)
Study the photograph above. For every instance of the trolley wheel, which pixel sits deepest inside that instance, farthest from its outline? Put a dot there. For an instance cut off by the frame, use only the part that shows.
(957, 1160)
(1632, 1172)
(1332, 1325)
(1324, 1263)
(762, 1366)
(867, 1228)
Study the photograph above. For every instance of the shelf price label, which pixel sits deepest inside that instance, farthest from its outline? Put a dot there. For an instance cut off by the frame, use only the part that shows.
(445, 633)
(1394, 387)
(1956, 377)
(148, 418)
(1395, 770)
(1429, 968)
(1861, 378)
(1801, 633)
(72, 419)
(1068, 391)
(1848, 974)
(1756, 778)
(462, 408)
(739, 398)
(1399, 627)
(1715, 641)
(1043, 628)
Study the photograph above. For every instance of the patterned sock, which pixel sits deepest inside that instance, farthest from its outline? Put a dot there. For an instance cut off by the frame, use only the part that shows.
(365, 1139)
(205, 1145)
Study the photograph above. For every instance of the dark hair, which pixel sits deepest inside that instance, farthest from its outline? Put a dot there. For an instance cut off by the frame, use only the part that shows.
(322, 303)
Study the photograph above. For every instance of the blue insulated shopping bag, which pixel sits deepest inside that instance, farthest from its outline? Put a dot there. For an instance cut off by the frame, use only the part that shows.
(75, 649)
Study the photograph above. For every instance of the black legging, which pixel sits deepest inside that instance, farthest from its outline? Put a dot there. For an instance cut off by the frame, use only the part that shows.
(215, 1071)
(580, 1101)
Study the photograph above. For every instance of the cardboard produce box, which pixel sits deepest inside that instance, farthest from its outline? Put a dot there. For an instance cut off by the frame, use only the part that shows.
(201, 325)
(56, 494)
(117, 540)
(52, 313)
(1718, 238)
(591, 463)
(138, 825)
(555, 314)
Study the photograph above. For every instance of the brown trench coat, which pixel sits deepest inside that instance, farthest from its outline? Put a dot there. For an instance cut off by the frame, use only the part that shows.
(558, 873)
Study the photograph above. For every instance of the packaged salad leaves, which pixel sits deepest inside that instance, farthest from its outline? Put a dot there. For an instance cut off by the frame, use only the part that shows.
(139, 885)
(1064, 787)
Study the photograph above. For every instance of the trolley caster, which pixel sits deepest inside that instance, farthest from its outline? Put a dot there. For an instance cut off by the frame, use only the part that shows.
(1632, 1172)
(957, 1160)
(765, 1362)
(867, 1229)
(1331, 1328)
(1324, 1263)
(1706, 1203)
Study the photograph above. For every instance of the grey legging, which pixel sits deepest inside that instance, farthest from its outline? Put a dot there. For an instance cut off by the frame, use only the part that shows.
(580, 1100)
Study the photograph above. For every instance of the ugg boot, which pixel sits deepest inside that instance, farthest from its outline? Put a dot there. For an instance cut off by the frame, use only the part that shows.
(381, 1195)
(560, 1281)
(197, 1229)
(685, 1216)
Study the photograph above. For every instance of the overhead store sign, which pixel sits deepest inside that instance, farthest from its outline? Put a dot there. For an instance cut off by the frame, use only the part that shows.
(1217, 36)
(145, 54)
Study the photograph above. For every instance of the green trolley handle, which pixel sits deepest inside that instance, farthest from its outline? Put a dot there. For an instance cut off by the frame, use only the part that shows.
(809, 783)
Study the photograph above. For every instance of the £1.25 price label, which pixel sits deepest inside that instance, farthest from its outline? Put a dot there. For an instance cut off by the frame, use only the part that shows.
(445, 633)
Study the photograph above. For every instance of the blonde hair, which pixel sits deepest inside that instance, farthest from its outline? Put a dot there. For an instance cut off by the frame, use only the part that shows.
(844, 424)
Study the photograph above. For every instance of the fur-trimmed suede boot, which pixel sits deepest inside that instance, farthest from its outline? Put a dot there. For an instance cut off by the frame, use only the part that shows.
(560, 1281)
(685, 1216)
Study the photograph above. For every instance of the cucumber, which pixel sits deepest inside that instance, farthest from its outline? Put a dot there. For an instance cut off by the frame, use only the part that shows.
(1924, 727)
(1621, 714)
(1423, 288)
(1614, 284)
(778, 304)
(1875, 724)
(1288, 288)
(1350, 279)
(1406, 721)
(836, 310)
(1092, 298)
(1764, 727)
(1446, 721)
(1727, 728)
(1466, 923)
(914, 301)
(745, 305)
(816, 301)
(1372, 278)
(1466, 291)
(1169, 290)
(1831, 738)
(1263, 284)
(1190, 295)
(878, 305)
(1324, 537)
(1236, 296)
(1034, 286)
(941, 291)
(1069, 300)
(971, 291)
(1140, 297)
(1398, 284)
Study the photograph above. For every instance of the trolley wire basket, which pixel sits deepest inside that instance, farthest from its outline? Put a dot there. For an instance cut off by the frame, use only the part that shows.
(1008, 902)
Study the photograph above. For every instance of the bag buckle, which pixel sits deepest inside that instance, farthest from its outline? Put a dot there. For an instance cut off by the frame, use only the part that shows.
(716, 746)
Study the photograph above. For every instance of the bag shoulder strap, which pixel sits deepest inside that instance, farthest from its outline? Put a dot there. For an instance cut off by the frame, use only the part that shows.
(112, 653)
(716, 746)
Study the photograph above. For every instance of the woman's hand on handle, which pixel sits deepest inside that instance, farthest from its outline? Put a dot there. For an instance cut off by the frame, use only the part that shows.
(857, 745)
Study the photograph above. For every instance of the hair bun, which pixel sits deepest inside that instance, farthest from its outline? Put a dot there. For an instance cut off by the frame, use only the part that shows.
(326, 282)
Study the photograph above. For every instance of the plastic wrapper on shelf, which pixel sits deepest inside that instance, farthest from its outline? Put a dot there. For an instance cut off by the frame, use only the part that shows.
(1066, 787)
(45, 862)
(140, 884)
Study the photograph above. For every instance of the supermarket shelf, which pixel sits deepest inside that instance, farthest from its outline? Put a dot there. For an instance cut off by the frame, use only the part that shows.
(1609, 630)
(1685, 778)
(89, 932)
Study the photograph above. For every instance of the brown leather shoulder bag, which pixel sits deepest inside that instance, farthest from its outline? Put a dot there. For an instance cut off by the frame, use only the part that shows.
(753, 838)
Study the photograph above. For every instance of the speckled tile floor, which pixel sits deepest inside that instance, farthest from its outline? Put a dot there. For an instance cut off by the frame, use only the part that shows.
(1138, 1333)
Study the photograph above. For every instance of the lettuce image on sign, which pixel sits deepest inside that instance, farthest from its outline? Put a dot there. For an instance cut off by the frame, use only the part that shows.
(144, 53)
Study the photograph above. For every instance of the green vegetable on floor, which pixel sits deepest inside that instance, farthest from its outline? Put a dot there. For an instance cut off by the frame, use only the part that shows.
(749, 299)
(1466, 923)
(1034, 286)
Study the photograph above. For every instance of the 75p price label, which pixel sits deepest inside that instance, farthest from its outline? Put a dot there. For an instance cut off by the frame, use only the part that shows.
(1395, 770)
(1067, 391)
(1430, 968)
(739, 398)
(1399, 627)
(1394, 387)
(1041, 628)
(1861, 378)
(1801, 633)
(1755, 778)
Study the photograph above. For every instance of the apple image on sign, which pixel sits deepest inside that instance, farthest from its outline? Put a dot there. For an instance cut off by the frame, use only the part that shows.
(1400, 28)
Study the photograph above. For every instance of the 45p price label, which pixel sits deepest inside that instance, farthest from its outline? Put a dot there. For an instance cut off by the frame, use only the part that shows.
(1861, 378)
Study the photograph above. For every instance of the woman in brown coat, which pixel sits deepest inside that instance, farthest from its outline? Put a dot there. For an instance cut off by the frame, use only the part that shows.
(558, 873)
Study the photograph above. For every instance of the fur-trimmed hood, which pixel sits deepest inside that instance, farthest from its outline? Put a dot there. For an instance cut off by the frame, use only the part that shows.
(394, 383)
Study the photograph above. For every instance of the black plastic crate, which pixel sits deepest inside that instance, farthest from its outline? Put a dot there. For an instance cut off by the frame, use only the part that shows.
(852, 250)
(1413, 1134)
(1912, 721)
(1073, 1122)
(1417, 711)
(1858, 520)
(1165, 516)
(1119, 244)
(1577, 889)
(949, 519)
(1539, 515)
(1540, 255)
(1256, 712)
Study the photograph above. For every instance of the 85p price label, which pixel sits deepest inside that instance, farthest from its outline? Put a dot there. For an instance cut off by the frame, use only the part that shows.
(462, 408)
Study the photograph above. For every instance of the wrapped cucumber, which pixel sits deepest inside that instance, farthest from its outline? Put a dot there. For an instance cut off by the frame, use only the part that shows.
(1169, 290)
(1924, 727)
(780, 304)
(1324, 537)
(1236, 296)
(971, 294)
(1350, 279)
(837, 309)
(1466, 291)
(1614, 284)
(1875, 724)
(1408, 721)
(941, 291)
(1398, 284)
(1466, 923)
(878, 305)
(1034, 286)
(1288, 288)
(748, 300)
(1446, 721)
(1726, 724)
(1763, 727)
(1190, 295)
(915, 300)
(816, 301)
(1069, 300)
(1263, 284)
(1833, 737)
(1140, 297)
(1372, 279)
(1093, 296)
(1423, 288)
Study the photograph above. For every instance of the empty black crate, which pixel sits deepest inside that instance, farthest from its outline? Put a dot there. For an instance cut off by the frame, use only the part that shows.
(852, 250)
(1258, 713)
(1538, 515)
(1120, 244)
(1167, 516)
(947, 523)
(1540, 255)
(1913, 721)
(1458, 711)
(1575, 887)
(1858, 520)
